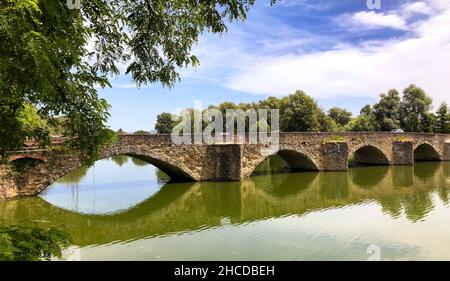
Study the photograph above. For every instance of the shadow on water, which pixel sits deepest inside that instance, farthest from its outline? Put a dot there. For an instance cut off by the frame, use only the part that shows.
(186, 207)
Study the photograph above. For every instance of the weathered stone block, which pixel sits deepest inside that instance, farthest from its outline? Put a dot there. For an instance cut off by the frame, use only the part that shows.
(403, 153)
(335, 156)
(446, 151)
(226, 160)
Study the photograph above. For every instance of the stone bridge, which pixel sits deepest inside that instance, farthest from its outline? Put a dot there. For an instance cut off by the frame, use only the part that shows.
(233, 161)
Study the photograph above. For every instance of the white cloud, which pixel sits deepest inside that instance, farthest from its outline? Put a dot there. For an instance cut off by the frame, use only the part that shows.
(372, 20)
(362, 70)
(411, 9)
(305, 4)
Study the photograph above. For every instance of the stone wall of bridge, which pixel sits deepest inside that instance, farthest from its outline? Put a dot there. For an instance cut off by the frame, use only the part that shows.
(234, 161)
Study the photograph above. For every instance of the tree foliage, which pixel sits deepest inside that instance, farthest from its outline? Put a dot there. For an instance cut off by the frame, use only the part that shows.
(387, 110)
(366, 121)
(339, 115)
(45, 62)
(412, 113)
(142, 132)
(443, 119)
(415, 107)
(164, 123)
(30, 243)
(298, 112)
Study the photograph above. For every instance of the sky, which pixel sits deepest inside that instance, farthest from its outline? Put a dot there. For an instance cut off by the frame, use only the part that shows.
(339, 51)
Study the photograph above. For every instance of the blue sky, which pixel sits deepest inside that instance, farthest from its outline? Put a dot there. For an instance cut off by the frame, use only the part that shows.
(338, 51)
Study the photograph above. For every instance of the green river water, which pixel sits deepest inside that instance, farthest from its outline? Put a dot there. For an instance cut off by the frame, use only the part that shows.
(125, 209)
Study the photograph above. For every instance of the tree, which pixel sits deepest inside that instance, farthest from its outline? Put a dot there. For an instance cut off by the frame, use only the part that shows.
(164, 123)
(366, 121)
(142, 132)
(339, 115)
(121, 132)
(428, 122)
(443, 119)
(45, 61)
(300, 113)
(415, 108)
(387, 111)
(30, 243)
(362, 123)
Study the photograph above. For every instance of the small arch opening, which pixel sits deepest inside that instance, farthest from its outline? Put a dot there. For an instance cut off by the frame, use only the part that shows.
(175, 174)
(21, 164)
(368, 156)
(285, 161)
(111, 185)
(297, 161)
(426, 152)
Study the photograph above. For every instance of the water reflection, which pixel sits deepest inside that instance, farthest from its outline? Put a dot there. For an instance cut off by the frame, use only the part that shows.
(111, 185)
(186, 207)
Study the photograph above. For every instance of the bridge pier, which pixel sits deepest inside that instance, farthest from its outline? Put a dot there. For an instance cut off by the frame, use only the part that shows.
(225, 161)
(446, 151)
(403, 153)
(335, 156)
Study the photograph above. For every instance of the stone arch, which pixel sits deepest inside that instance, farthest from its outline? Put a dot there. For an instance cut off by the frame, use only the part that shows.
(177, 171)
(59, 165)
(426, 152)
(36, 157)
(23, 162)
(297, 159)
(369, 155)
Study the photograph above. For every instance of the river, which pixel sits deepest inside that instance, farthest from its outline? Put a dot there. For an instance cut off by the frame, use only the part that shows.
(125, 209)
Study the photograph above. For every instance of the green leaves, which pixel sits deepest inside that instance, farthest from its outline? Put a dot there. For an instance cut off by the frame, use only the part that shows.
(30, 243)
(443, 119)
(45, 61)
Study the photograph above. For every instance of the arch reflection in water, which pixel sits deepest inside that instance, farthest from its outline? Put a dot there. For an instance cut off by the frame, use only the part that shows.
(110, 185)
(316, 215)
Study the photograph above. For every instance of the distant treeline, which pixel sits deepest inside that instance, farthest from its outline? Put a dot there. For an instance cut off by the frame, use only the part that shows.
(299, 112)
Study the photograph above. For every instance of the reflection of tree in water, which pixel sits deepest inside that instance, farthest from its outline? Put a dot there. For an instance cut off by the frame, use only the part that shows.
(285, 184)
(443, 194)
(222, 199)
(417, 205)
(366, 180)
(391, 206)
(189, 207)
(138, 162)
(273, 164)
(75, 176)
(334, 185)
(402, 176)
(161, 177)
(120, 159)
(426, 170)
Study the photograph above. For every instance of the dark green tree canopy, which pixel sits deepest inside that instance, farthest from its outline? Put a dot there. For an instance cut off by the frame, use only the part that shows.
(387, 110)
(443, 119)
(339, 115)
(416, 105)
(44, 60)
(164, 123)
